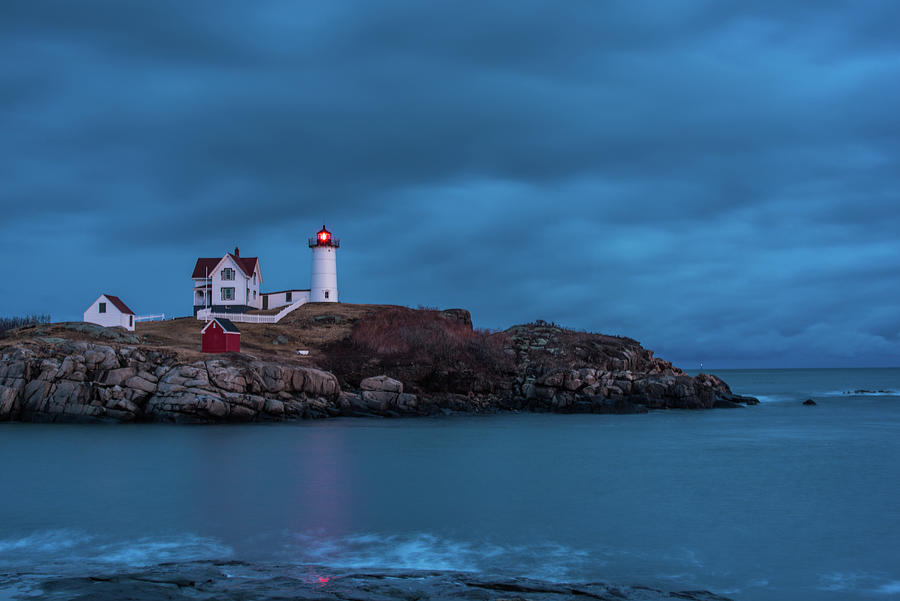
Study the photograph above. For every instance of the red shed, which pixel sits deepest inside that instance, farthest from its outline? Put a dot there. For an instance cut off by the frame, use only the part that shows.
(220, 336)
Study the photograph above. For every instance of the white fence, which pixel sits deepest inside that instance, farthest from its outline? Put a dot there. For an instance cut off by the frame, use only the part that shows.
(207, 314)
(158, 317)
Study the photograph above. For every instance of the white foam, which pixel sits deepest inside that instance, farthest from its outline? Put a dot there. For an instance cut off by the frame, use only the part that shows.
(891, 588)
(839, 581)
(149, 551)
(66, 546)
(415, 552)
(873, 582)
(771, 398)
(423, 551)
(45, 542)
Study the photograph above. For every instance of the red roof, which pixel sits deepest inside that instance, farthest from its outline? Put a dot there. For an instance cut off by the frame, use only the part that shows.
(119, 304)
(206, 266)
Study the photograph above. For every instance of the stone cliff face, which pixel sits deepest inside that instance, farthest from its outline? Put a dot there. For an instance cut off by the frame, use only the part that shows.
(541, 368)
(566, 371)
(83, 381)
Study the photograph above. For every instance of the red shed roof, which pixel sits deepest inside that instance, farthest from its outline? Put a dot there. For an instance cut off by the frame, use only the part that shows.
(226, 324)
(119, 304)
(206, 265)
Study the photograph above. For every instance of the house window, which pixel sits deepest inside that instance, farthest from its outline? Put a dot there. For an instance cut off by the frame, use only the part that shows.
(130, 320)
(254, 295)
(227, 294)
(254, 279)
(326, 294)
(228, 273)
(103, 307)
(200, 293)
(288, 297)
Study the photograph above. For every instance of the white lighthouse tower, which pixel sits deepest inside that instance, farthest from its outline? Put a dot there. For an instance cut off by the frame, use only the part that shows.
(323, 283)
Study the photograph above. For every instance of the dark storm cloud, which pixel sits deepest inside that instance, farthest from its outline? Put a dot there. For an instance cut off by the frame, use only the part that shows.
(716, 179)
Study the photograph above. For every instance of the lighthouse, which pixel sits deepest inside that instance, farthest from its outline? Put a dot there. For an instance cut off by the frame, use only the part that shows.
(323, 282)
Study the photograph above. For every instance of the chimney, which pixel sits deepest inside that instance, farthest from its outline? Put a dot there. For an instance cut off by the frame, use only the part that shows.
(237, 252)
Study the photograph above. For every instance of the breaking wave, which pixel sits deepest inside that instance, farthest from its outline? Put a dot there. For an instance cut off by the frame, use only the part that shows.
(871, 582)
(75, 549)
(422, 551)
(151, 551)
(773, 398)
(44, 543)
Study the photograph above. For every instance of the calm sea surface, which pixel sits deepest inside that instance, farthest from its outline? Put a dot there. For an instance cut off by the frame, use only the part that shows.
(777, 501)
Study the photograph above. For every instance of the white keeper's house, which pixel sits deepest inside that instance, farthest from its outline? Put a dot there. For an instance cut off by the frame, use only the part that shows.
(231, 284)
(228, 284)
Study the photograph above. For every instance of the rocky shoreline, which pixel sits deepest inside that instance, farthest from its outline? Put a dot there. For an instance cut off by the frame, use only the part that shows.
(60, 380)
(207, 580)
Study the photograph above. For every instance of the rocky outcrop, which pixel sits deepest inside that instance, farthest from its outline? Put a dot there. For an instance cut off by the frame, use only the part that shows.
(565, 371)
(593, 390)
(84, 381)
(543, 368)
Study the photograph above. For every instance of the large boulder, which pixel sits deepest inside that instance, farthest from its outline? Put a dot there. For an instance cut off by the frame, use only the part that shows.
(382, 384)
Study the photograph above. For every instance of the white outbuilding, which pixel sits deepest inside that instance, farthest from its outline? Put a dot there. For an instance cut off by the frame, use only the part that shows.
(109, 311)
(283, 298)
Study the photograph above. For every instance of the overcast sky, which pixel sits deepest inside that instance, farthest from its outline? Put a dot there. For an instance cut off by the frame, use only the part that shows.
(717, 179)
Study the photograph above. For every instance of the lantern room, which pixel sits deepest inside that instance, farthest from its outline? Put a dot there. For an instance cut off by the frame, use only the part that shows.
(324, 238)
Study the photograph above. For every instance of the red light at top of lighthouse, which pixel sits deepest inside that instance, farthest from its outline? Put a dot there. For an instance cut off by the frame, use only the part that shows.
(324, 238)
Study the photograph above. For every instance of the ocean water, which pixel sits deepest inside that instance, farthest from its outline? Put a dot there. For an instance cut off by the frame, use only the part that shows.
(777, 501)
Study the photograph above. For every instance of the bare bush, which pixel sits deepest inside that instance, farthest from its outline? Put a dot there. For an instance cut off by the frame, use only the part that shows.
(10, 323)
(426, 337)
(422, 333)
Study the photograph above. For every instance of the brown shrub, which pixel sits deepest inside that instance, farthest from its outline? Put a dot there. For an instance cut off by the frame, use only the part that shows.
(421, 333)
(439, 347)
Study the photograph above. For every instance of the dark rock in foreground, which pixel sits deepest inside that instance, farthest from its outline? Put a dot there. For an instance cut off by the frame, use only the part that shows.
(234, 580)
(809, 402)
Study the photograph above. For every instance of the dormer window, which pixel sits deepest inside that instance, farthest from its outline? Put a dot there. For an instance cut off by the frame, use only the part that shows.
(228, 273)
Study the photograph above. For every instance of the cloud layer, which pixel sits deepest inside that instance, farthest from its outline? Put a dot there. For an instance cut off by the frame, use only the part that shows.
(716, 179)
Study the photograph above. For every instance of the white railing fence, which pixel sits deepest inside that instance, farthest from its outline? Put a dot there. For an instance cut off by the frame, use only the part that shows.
(207, 314)
(157, 317)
